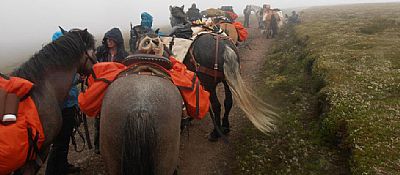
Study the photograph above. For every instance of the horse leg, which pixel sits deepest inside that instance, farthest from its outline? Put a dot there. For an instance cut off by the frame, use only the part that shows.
(228, 103)
(216, 107)
(97, 135)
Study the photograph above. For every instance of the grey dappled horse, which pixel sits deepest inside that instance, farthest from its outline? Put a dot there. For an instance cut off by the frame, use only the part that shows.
(140, 124)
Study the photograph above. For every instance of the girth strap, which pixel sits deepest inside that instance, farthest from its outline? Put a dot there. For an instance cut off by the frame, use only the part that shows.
(205, 70)
(33, 148)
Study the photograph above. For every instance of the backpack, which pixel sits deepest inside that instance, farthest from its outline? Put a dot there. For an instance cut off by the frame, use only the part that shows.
(243, 34)
(182, 31)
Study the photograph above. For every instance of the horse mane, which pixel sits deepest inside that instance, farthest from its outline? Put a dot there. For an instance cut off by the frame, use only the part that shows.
(61, 54)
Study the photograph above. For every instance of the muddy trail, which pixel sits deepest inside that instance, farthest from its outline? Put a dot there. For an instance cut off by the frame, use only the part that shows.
(197, 154)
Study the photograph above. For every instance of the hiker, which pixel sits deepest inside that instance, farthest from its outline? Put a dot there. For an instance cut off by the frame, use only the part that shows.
(294, 19)
(145, 26)
(247, 13)
(111, 50)
(193, 13)
(57, 163)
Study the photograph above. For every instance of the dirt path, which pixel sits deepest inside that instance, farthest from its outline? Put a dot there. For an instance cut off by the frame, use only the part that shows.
(198, 155)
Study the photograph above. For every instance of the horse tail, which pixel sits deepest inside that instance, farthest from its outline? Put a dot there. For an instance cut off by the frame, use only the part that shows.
(139, 144)
(258, 112)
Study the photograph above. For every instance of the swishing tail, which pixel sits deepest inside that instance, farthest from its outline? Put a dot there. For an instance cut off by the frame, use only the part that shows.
(139, 144)
(258, 112)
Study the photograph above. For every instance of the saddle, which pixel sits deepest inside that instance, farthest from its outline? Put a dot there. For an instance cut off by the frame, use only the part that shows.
(146, 64)
(182, 31)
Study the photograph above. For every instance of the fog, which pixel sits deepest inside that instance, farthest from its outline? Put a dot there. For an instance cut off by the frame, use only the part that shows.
(26, 25)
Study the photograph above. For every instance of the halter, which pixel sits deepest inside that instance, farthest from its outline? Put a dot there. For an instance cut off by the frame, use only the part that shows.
(92, 59)
(88, 57)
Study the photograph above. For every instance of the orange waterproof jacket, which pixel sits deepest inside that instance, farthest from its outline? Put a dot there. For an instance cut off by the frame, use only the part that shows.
(14, 137)
(243, 34)
(105, 73)
(195, 97)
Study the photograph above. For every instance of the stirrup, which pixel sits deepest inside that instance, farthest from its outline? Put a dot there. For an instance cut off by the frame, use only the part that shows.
(9, 118)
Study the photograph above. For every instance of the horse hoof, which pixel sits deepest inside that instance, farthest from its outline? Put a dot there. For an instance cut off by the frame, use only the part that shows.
(97, 150)
(213, 136)
(225, 130)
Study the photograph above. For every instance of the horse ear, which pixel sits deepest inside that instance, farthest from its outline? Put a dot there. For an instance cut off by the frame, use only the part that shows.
(170, 8)
(183, 7)
(85, 30)
(62, 30)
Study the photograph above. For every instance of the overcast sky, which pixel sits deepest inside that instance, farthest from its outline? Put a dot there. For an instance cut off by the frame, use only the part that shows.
(27, 24)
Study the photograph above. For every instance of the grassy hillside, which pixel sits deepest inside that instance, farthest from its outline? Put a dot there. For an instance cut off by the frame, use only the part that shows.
(357, 52)
(340, 70)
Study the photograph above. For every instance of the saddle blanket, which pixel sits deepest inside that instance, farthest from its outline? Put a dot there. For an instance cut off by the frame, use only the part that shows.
(180, 48)
(14, 144)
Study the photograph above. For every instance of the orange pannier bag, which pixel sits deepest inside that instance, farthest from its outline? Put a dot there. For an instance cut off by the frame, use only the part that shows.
(14, 145)
(243, 34)
(105, 73)
(197, 100)
(195, 97)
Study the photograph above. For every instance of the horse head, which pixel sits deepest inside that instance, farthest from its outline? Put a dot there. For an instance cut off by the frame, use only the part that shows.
(178, 15)
(86, 45)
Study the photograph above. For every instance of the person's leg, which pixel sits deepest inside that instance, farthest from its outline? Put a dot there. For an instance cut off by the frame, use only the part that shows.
(57, 162)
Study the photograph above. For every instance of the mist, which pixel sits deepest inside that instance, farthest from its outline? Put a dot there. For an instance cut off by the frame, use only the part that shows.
(27, 25)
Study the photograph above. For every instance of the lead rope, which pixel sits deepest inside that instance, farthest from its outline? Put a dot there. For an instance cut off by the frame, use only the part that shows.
(78, 121)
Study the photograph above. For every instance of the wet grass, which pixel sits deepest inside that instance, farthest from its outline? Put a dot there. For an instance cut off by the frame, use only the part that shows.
(359, 62)
(297, 146)
(337, 78)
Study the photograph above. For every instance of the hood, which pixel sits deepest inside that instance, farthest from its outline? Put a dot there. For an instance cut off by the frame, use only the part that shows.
(147, 20)
(116, 35)
(56, 35)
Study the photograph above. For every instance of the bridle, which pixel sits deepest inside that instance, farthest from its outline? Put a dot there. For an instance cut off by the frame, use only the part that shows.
(91, 58)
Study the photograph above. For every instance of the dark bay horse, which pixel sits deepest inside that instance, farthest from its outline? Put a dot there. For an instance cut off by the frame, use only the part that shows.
(140, 124)
(222, 56)
(52, 70)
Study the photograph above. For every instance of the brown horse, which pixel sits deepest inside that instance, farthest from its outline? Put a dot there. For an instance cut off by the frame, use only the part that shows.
(52, 70)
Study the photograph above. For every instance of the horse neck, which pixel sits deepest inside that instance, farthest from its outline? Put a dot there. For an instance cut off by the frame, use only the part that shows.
(59, 83)
(49, 95)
